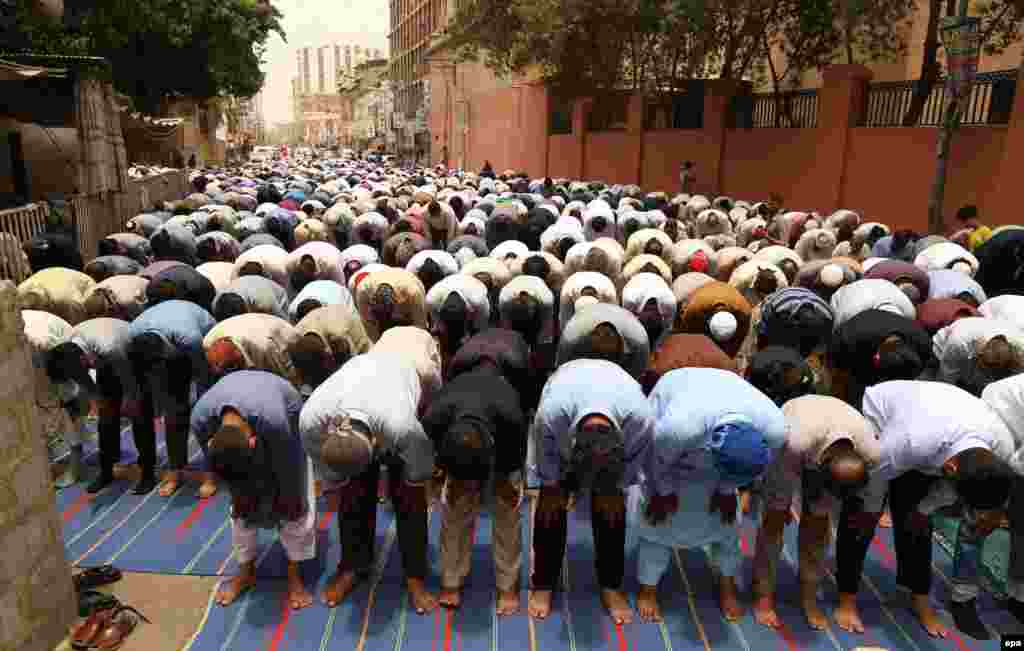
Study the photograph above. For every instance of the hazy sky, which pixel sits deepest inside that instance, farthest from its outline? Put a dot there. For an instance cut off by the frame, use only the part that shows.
(311, 23)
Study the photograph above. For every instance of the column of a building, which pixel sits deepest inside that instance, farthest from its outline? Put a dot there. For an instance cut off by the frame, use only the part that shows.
(580, 108)
(841, 103)
(1002, 203)
(718, 95)
(635, 129)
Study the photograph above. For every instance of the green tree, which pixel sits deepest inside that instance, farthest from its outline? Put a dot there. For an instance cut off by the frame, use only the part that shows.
(159, 49)
(1000, 27)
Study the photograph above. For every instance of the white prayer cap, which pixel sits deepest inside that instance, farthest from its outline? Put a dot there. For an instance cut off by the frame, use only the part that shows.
(832, 275)
(723, 326)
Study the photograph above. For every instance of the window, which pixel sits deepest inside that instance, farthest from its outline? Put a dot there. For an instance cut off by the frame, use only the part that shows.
(560, 117)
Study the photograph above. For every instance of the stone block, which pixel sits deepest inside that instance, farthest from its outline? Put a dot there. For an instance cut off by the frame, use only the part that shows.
(31, 480)
(23, 545)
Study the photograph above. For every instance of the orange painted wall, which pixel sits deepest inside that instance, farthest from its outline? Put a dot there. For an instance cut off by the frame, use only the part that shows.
(665, 151)
(563, 154)
(533, 130)
(890, 171)
(611, 157)
(493, 122)
(761, 161)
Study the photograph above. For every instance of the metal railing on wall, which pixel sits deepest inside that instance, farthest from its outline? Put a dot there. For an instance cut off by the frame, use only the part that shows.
(797, 109)
(17, 226)
(990, 101)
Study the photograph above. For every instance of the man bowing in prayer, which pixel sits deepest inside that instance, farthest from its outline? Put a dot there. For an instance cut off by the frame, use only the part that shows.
(713, 434)
(247, 424)
(364, 416)
(593, 432)
(479, 429)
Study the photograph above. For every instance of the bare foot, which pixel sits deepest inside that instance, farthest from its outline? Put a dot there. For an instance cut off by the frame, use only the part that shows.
(886, 520)
(207, 489)
(508, 602)
(338, 588)
(926, 615)
(816, 619)
(234, 588)
(450, 597)
(846, 614)
(169, 485)
(423, 601)
(729, 600)
(647, 603)
(539, 603)
(298, 595)
(617, 605)
(765, 613)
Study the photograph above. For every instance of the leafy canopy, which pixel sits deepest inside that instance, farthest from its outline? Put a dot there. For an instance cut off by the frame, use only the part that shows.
(160, 49)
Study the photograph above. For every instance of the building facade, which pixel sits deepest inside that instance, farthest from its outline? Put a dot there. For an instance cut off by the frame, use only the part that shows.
(316, 105)
(413, 25)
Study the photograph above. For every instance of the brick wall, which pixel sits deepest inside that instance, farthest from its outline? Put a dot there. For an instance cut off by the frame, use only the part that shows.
(37, 602)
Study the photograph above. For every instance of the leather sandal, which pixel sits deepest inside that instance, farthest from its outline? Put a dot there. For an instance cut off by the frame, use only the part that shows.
(89, 601)
(85, 632)
(96, 576)
(119, 628)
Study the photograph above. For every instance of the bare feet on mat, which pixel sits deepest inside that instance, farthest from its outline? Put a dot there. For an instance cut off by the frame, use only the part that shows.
(886, 520)
(921, 606)
(765, 613)
(450, 597)
(617, 606)
(539, 605)
(207, 489)
(847, 616)
(508, 602)
(235, 588)
(816, 619)
(647, 603)
(419, 598)
(169, 485)
(338, 588)
(298, 596)
(729, 599)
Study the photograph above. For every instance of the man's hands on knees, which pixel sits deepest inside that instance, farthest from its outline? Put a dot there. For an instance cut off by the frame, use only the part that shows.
(724, 503)
(660, 507)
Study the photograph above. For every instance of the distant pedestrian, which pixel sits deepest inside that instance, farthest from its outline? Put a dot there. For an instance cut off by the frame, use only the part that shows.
(687, 177)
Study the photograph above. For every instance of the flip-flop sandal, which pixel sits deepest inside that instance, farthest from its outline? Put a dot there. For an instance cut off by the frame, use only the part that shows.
(97, 576)
(89, 601)
(121, 626)
(86, 632)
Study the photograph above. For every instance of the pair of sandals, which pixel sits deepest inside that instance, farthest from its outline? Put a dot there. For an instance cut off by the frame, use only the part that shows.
(107, 627)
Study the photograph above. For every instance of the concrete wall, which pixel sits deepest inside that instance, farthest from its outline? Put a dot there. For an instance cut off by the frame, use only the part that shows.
(37, 602)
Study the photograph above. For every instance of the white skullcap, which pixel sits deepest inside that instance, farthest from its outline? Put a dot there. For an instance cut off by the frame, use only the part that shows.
(584, 301)
(963, 268)
(870, 262)
(832, 275)
(723, 326)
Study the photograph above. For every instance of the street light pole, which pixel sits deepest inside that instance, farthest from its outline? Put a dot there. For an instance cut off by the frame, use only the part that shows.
(955, 31)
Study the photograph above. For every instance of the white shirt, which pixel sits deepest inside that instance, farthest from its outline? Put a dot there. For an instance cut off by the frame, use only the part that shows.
(921, 426)
(869, 294)
(956, 345)
(1007, 307)
(1006, 399)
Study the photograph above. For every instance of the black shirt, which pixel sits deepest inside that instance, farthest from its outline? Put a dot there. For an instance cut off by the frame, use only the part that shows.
(487, 398)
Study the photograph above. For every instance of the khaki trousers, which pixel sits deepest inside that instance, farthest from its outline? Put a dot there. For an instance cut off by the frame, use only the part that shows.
(463, 500)
(813, 541)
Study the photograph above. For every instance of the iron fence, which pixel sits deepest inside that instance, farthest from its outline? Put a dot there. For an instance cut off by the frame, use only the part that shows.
(990, 101)
(797, 109)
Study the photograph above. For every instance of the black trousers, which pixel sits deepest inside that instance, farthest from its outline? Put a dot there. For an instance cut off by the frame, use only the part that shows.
(609, 550)
(358, 527)
(1016, 514)
(913, 544)
(111, 394)
(176, 421)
